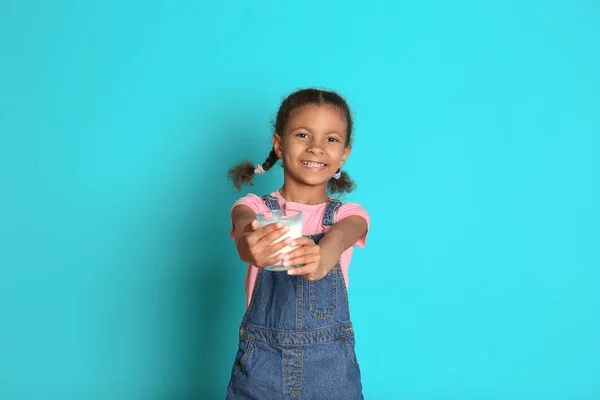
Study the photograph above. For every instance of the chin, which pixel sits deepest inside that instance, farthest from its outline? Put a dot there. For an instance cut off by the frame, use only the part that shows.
(311, 178)
(314, 182)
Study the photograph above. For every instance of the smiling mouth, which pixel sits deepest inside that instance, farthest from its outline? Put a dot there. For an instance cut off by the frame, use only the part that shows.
(312, 164)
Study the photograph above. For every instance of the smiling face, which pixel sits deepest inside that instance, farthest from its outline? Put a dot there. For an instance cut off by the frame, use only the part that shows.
(314, 144)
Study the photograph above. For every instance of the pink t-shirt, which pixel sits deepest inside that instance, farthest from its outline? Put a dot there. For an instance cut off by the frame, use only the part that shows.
(312, 216)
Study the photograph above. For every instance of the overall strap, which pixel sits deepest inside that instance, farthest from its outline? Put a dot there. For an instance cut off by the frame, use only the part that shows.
(332, 206)
(271, 202)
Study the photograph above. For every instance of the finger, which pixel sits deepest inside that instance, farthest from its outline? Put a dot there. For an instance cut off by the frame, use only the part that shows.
(302, 260)
(266, 229)
(269, 260)
(266, 240)
(274, 248)
(260, 233)
(304, 270)
(251, 227)
(301, 251)
(303, 241)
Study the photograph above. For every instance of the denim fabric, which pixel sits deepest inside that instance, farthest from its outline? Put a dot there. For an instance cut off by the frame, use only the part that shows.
(296, 338)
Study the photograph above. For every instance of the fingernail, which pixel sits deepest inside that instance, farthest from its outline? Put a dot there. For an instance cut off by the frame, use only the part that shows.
(290, 272)
(286, 263)
(286, 257)
(278, 225)
(292, 243)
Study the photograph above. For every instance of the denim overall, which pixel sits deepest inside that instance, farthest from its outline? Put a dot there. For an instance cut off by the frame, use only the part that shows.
(296, 338)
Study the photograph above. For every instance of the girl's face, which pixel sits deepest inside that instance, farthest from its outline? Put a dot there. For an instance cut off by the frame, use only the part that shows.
(313, 144)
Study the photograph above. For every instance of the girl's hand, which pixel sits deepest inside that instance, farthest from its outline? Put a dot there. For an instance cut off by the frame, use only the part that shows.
(255, 245)
(309, 256)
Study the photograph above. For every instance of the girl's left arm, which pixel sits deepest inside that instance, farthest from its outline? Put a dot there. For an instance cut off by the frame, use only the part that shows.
(341, 236)
(318, 260)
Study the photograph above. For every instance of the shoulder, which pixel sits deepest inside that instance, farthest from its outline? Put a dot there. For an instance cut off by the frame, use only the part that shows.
(256, 203)
(350, 209)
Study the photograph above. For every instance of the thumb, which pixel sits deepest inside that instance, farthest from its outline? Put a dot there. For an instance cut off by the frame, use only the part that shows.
(252, 226)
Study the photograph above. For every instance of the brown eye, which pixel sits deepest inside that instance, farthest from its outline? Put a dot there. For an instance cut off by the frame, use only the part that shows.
(302, 135)
(332, 139)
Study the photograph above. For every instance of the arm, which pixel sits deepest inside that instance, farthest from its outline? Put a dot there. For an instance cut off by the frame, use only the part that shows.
(341, 236)
(318, 260)
(242, 216)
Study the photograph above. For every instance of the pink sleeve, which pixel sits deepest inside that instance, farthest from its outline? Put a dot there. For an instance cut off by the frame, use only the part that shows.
(350, 209)
(250, 200)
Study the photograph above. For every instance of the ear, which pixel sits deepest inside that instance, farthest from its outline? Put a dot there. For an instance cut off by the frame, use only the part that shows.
(276, 140)
(345, 156)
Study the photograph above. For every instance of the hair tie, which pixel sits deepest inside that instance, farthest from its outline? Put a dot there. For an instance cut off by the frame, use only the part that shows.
(259, 170)
(338, 174)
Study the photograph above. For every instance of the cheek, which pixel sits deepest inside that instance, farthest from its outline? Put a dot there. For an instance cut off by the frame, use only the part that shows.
(337, 153)
(293, 150)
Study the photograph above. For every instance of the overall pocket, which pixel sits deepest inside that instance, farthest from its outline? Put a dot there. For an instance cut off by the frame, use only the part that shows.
(323, 295)
(350, 345)
(245, 349)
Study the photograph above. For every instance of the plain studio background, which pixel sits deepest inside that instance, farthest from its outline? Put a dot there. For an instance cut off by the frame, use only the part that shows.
(477, 155)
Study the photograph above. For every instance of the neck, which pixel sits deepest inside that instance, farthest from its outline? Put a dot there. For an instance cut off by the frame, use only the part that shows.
(303, 194)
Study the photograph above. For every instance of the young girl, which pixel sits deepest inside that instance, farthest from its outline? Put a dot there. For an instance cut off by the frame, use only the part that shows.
(296, 338)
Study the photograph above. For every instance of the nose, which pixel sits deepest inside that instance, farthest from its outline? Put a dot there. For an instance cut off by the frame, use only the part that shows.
(314, 148)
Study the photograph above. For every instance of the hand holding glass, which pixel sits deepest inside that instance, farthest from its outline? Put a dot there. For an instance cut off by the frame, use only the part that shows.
(291, 218)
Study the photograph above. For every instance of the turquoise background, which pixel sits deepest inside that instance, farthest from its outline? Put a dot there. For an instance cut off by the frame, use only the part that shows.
(477, 155)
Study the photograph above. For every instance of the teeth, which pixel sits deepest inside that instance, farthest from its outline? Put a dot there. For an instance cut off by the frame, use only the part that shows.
(313, 165)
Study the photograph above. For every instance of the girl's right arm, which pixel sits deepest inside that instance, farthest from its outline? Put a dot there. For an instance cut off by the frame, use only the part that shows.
(253, 243)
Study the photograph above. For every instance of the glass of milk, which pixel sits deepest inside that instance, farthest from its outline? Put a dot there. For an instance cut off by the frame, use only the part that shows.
(291, 218)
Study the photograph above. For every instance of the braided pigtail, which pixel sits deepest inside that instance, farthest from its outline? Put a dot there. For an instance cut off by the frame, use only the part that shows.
(341, 183)
(243, 173)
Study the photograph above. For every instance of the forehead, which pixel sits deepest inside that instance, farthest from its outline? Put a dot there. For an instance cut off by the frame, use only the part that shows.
(318, 117)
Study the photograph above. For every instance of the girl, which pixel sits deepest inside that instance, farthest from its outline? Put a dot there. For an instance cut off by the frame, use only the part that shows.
(296, 338)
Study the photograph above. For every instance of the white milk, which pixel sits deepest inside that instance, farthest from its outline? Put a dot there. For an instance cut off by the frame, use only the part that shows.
(294, 232)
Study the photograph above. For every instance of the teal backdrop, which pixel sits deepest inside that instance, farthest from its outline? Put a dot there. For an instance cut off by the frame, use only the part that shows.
(477, 154)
